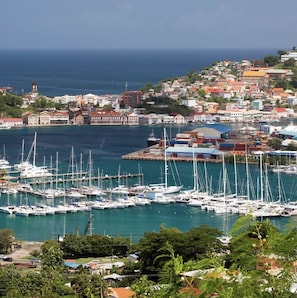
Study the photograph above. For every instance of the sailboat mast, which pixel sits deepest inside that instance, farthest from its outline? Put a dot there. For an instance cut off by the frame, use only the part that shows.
(235, 176)
(57, 168)
(34, 149)
(23, 150)
(165, 160)
(90, 168)
(72, 167)
(279, 185)
(261, 178)
(195, 186)
(206, 178)
(224, 177)
(247, 177)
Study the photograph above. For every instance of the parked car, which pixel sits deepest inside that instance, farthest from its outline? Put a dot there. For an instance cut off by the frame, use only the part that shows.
(7, 259)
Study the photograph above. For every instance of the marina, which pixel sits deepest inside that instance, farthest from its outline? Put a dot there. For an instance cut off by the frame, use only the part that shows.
(108, 145)
(115, 192)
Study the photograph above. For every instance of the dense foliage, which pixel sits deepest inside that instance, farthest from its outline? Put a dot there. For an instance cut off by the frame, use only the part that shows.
(194, 244)
(165, 105)
(93, 246)
(6, 240)
(10, 105)
(258, 254)
(42, 103)
(192, 76)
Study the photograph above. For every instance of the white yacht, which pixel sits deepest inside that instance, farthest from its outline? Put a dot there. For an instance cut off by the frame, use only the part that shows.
(4, 164)
(10, 209)
(24, 210)
(35, 172)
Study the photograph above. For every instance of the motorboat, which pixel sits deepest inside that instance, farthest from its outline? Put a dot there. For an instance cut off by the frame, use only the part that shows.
(10, 209)
(35, 172)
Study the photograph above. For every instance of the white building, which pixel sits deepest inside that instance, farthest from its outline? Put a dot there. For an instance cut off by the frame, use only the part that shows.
(190, 102)
(290, 55)
(232, 115)
(179, 119)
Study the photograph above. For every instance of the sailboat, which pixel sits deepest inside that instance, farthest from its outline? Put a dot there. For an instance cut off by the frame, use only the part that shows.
(9, 209)
(90, 189)
(4, 163)
(23, 163)
(29, 170)
(267, 207)
(163, 188)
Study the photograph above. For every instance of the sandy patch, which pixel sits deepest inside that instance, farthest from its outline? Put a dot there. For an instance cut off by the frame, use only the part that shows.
(25, 250)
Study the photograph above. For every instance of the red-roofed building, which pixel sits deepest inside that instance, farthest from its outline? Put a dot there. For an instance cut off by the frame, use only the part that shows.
(277, 91)
(120, 293)
(214, 90)
(12, 122)
(104, 117)
(278, 113)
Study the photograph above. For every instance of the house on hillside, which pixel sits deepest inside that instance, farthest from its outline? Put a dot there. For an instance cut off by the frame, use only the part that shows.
(278, 113)
(279, 74)
(179, 119)
(256, 76)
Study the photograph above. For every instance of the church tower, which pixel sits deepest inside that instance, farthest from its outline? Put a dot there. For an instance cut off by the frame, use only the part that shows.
(34, 87)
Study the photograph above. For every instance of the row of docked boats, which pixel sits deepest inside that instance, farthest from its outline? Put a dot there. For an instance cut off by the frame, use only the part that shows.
(74, 206)
(241, 205)
(260, 205)
(87, 198)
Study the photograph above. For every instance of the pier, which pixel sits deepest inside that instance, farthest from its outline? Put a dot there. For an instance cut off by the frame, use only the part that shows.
(146, 154)
(66, 178)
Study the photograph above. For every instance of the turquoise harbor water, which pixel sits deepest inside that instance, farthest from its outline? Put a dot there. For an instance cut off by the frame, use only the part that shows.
(107, 145)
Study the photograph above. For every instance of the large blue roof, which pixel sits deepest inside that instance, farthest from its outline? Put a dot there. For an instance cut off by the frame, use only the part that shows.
(288, 133)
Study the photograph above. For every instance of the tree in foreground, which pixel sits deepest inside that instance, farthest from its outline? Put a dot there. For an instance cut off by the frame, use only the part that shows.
(90, 285)
(6, 240)
(52, 255)
(195, 244)
(247, 271)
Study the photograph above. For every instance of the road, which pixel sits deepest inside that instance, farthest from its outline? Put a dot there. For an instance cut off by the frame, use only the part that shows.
(23, 254)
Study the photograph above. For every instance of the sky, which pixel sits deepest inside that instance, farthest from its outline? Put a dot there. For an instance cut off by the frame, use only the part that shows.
(63, 24)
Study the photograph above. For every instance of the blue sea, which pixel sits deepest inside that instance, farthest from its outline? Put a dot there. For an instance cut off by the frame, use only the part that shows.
(72, 72)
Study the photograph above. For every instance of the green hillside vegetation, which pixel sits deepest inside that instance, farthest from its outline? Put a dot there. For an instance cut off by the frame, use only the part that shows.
(42, 103)
(10, 105)
(164, 105)
(221, 269)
